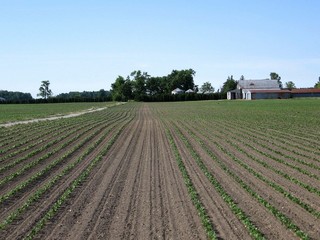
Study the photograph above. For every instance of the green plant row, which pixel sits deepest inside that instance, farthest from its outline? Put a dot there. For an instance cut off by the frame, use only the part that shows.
(49, 127)
(48, 168)
(246, 131)
(66, 194)
(52, 182)
(278, 214)
(207, 224)
(36, 196)
(253, 230)
(299, 169)
(277, 171)
(282, 133)
(25, 129)
(36, 134)
(52, 134)
(51, 143)
(275, 186)
(23, 139)
(44, 147)
(57, 161)
(42, 158)
(263, 163)
(309, 164)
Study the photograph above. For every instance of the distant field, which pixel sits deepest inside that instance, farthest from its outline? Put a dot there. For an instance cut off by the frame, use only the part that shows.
(174, 170)
(18, 112)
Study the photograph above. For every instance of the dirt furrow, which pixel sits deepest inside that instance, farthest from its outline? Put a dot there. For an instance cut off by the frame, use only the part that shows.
(260, 216)
(87, 206)
(25, 221)
(137, 193)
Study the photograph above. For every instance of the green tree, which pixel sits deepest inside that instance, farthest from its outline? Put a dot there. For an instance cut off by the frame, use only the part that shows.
(290, 85)
(207, 88)
(44, 89)
(229, 85)
(242, 77)
(275, 76)
(139, 84)
(154, 85)
(121, 89)
(181, 79)
(317, 85)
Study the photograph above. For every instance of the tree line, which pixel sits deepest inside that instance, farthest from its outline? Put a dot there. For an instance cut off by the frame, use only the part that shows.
(140, 86)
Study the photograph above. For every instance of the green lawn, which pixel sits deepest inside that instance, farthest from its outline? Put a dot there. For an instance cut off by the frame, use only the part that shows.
(18, 112)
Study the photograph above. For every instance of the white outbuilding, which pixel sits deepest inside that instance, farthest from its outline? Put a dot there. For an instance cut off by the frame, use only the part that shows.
(177, 91)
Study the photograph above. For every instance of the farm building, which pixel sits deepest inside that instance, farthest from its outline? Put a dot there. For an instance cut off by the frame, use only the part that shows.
(257, 89)
(268, 89)
(2, 99)
(177, 91)
(305, 92)
(266, 94)
(189, 91)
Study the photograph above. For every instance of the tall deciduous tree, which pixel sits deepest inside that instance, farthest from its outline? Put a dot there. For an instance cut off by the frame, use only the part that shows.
(229, 85)
(139, 84)
(207, 88)
(275, 76)
(44, 89)
(121, 89)
(317, 85)
(181, 79)
(290, 85)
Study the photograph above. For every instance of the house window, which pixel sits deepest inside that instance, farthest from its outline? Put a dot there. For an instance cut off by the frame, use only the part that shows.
(251, 84)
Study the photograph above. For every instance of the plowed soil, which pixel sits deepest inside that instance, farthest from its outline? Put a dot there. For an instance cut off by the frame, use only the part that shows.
(137, 190)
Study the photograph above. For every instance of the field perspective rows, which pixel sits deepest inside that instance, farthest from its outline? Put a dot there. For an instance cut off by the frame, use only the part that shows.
(188, 170)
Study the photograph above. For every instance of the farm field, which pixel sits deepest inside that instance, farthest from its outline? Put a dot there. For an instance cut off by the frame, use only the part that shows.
(182, 170)
(20, 112)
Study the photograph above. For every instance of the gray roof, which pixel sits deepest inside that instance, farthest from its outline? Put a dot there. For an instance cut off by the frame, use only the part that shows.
(2, 99)
(177, 90)
(259, 84)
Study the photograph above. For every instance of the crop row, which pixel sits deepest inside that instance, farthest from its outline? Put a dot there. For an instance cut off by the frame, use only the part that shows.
(76, 126)
(53, 209)
(241, 215)
(44, 147)
(53, 164)
(88, 127)
(255, 138)
(241, 136)
(277, 213)
(45, 129)
(24, 137)
(235, 139)
(290, 134)
(275, 186)
(48, 154)
(108, 128)
(207, 224)
(278, 139)
(38, 136)
(259, 176)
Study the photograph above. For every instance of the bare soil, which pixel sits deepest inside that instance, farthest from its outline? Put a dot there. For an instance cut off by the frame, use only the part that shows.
(137, 190)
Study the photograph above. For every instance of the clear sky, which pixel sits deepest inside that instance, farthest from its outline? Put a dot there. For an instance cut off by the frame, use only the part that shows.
(84, 45)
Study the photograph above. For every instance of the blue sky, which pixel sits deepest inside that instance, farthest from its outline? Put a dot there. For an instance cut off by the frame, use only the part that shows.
(85, 45)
